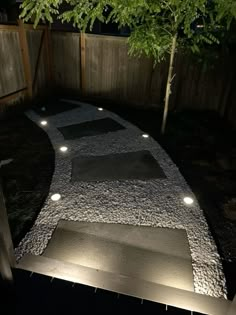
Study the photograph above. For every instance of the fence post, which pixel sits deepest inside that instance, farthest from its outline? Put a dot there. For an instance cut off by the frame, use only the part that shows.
(25, 58)
(7, 259)
(48, 40)
(82, 61)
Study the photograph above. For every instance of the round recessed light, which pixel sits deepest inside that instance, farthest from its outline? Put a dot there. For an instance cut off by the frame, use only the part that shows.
(145, 135)
(100, 108)
(188, 200)
(43, 109)
(43, 122)
(56, 197)
(63, 149)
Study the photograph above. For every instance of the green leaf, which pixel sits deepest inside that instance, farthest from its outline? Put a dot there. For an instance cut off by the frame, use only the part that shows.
(152, 22)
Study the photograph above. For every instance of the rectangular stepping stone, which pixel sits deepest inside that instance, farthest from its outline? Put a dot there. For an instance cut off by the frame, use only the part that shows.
(51, 108)
(122, 166)
(90, 128)
(158, 255)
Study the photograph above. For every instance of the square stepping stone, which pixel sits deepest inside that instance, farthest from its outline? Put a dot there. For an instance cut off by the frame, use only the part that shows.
(90, 128)
(51, 108)
(122, 166)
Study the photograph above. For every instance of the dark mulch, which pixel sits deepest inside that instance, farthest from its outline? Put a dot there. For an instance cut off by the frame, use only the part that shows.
(26, 180)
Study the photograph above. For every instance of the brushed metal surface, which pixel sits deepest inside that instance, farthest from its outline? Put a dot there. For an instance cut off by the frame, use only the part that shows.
(126, 285)
(152, 254)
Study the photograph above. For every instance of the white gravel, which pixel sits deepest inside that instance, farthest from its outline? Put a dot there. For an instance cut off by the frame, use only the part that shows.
(156, 202)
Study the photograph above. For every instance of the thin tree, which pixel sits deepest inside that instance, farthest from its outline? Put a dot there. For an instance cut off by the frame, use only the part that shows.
(158, 27)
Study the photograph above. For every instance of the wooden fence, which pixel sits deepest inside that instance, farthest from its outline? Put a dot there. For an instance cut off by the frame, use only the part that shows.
(105, 70)
(24, 61)
(99, 66)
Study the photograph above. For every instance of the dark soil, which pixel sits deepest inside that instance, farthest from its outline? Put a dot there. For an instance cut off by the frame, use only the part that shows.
(26, 180)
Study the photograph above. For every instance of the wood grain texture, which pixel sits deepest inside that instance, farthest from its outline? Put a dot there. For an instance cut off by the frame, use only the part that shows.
(38, 60)
(108, 72)
(11, 67)
(112, 74)
(66, 59)
(11, 98)
(83, 61)
(48, 43)
(25, 58)
(5, 27)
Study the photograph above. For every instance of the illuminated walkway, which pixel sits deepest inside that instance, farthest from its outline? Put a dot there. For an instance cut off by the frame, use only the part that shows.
(156, 201)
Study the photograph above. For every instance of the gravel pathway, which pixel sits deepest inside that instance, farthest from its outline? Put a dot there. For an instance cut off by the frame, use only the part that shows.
(157, 203)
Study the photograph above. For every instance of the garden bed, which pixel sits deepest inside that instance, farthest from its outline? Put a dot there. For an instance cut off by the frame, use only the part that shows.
(26, 179)
(201, 145)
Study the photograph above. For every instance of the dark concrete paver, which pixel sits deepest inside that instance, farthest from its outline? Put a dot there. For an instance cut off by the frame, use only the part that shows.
(123, 166)
(90, 128)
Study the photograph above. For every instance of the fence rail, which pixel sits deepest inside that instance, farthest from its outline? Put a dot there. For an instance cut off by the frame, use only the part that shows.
(23, 61)
(99, 66)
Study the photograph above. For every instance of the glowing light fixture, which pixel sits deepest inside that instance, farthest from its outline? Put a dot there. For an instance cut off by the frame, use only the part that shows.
(43, 109)
(43, 122)
(188, 200)
(100, 108)
(145, 135)
(63, 149)
(56, 197)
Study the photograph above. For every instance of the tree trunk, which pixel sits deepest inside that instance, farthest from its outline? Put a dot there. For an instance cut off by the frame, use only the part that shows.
(169, 82)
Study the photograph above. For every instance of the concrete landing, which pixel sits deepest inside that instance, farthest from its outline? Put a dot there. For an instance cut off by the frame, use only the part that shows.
(120, 166)
(155, 255)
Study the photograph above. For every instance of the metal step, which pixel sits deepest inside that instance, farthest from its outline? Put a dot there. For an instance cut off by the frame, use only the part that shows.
(156, 255)
(125, 285)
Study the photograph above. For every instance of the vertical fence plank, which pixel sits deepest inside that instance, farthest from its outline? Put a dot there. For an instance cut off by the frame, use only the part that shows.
(99, 65)
(25, 58)
(48, 41)
(82, 61)
(11, 67)
(66, 60)
(38, 59)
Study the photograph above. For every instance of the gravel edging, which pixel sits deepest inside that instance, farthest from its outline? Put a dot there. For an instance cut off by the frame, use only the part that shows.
(154, 203)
